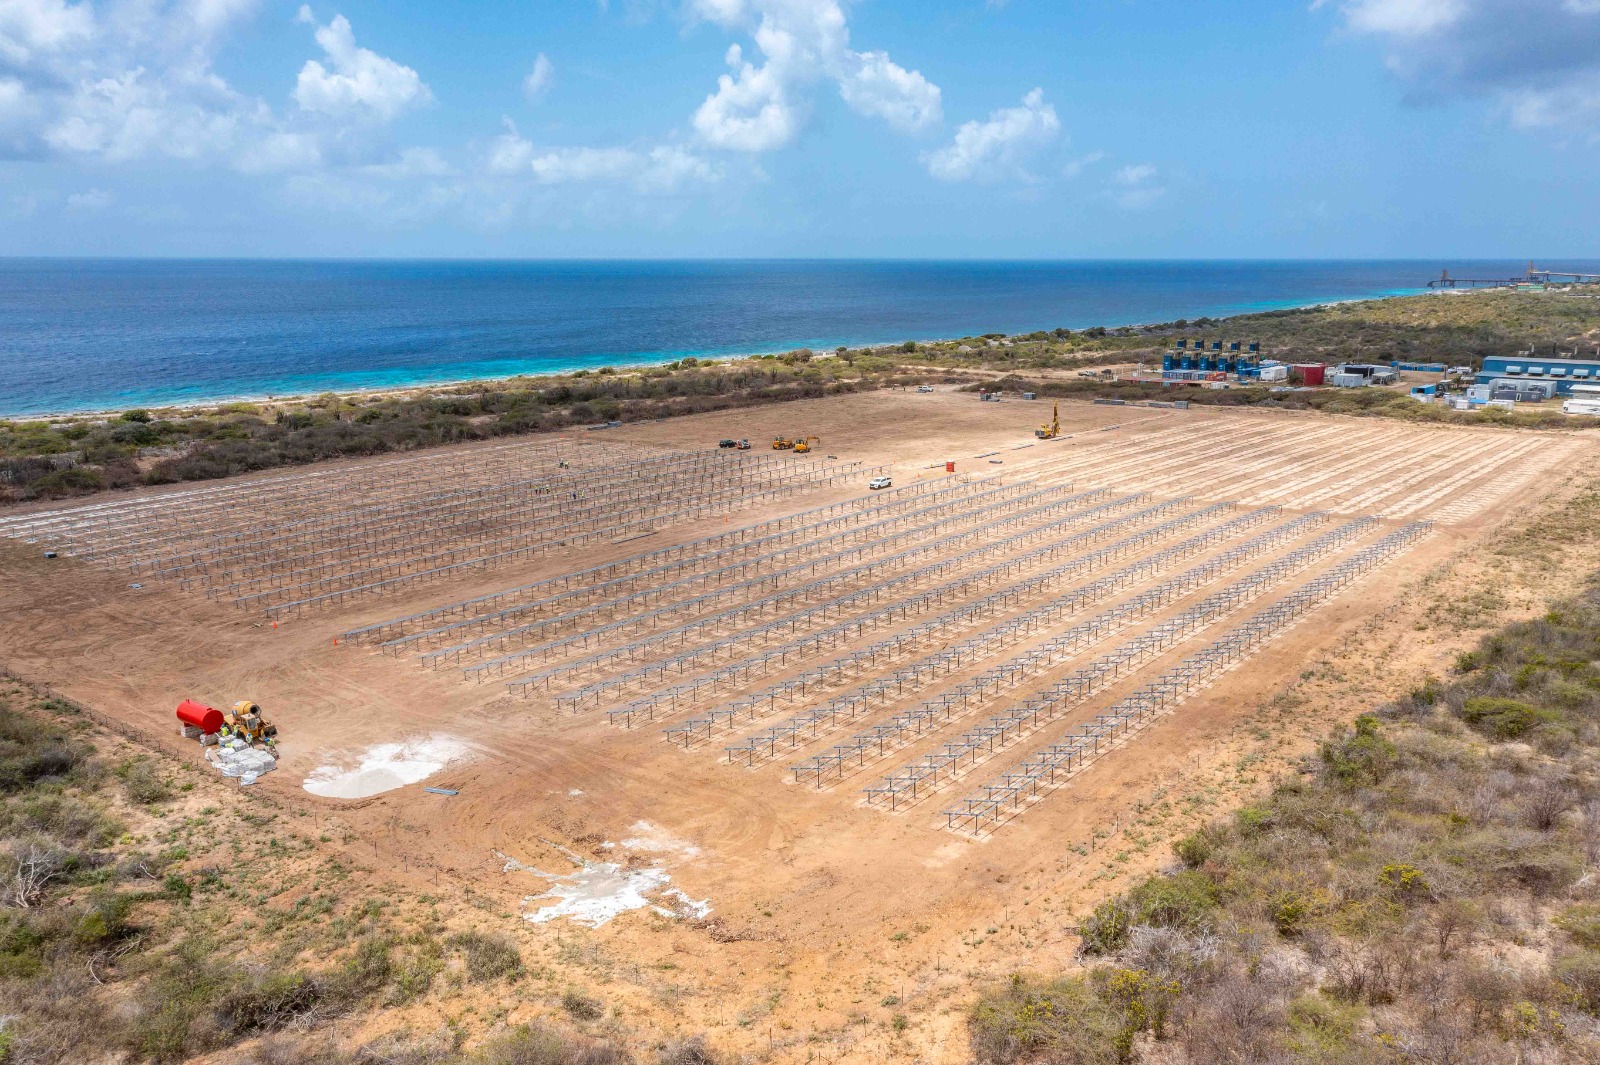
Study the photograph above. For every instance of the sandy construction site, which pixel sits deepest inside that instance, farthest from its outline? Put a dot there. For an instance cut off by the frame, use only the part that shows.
(810, 748)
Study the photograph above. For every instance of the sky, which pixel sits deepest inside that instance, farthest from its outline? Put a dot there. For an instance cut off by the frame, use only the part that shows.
(801, 128)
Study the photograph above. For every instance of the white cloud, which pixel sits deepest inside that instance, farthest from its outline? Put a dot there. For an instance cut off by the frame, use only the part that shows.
(90, 202)
(758, 108)
(1137, 174)
(31, 29)
(749, 112)
(903, 98)
(670, 168)
(540, 78)
(1402, 17)
(136, 114)
(1136, 185)
(587, 165)
(1076, 167)
(1575, 103)
(1536, 61)
(998, 147)
(411, 163)
(280, 150)
(661, 169)
(360, 81)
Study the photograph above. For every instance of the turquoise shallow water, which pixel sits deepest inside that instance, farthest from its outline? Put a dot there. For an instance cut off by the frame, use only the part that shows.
(97, 334)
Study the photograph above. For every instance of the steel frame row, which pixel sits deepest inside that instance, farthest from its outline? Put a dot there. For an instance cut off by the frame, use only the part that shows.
(913, 675)
(929, 773)
(824, 592)
(881, 739)
(759, 536)
(994, 799)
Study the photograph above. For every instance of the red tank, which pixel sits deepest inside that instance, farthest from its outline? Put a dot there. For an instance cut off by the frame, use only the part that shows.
(202, 717)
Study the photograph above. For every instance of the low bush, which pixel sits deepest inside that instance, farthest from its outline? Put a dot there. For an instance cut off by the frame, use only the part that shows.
(487, 956)
(1505, 719)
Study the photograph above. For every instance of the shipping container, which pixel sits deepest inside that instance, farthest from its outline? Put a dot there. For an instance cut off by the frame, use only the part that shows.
(1313, 374)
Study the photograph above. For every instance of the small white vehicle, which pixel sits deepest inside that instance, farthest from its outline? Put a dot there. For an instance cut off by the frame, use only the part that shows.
(924, 388)
(880, 482)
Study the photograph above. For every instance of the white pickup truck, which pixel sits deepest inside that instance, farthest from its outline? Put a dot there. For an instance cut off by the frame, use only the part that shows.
(880, 482)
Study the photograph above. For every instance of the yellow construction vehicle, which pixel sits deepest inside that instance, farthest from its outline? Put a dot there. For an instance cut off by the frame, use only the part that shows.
(245, 720)
(782, 443)
(1052, 429)
(803, 444)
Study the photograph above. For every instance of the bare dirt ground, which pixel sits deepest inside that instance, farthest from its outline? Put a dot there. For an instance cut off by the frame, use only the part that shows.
(830, 918)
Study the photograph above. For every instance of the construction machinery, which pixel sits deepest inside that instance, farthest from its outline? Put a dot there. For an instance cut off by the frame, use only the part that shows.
(803, 444)
(782, 443)
(247, 722)
(1051, 429)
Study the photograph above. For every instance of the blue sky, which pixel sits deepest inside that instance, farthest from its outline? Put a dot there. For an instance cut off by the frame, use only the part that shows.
(813, 128)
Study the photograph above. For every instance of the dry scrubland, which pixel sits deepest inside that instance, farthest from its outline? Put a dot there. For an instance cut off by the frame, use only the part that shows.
(916, 749)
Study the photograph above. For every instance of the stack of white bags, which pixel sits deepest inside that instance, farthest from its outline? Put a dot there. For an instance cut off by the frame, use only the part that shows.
(236, 758)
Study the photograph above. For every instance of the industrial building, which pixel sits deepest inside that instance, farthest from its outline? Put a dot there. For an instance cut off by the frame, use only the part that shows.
(1529, 368)
(1361, 374)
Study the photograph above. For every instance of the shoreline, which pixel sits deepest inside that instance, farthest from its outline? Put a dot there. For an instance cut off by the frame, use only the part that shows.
(191, 406)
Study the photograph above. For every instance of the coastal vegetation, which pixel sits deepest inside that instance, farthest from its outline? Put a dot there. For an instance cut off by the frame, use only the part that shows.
(146, 917)
(66, 456)
(1422, 891)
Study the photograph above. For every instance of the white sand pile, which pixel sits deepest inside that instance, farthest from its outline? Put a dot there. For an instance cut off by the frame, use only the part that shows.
(386, 767)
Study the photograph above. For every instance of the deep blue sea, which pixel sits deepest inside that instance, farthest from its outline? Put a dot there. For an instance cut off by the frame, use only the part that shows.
(78, 334)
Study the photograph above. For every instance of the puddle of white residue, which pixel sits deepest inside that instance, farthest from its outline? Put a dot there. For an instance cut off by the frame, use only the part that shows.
(595, 892)
(650, 838)
(385, 767)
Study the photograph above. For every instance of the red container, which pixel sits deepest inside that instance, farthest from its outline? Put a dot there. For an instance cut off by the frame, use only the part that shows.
(949, 467)
(1311, 373)
(202, 717)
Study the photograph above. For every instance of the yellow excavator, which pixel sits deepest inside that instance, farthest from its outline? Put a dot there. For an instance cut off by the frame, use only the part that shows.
(1052, 429)
(246, 721)
(802, 444)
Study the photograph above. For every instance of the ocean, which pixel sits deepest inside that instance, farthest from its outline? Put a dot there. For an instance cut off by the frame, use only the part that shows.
(80, 334)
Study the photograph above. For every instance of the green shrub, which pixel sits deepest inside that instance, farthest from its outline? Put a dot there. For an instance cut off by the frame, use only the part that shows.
(1578, 976)
(581, 1006)
(1061, 1020)
(143, 783)
(1184, 901)
(533, 1045)
(1361, 757)
(367, 971)
(1320, 1026)
(1581, 921)
(488, 957)
(104, 920)
(1194, 849)
(1505, 719)
(1106, 929)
